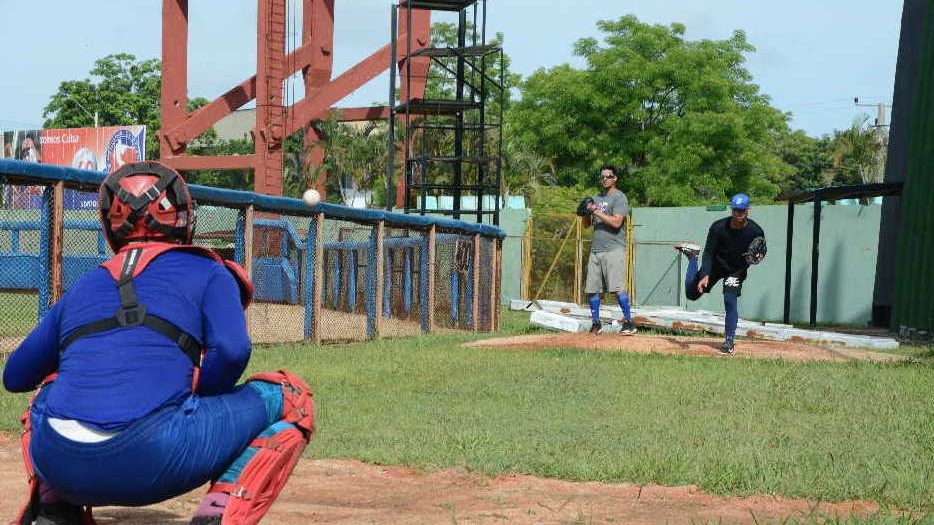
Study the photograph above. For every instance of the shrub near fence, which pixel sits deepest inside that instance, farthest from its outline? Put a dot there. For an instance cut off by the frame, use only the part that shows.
(323, 273)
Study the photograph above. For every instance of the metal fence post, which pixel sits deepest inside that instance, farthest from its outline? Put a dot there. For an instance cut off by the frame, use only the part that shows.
(579, 262)
(317, 292)
(374, 281)
(527, 260)
(312, 279)
(45, 253)
(497, 284)
(56, 234)
(248, 215)
(426, 277)
(475, 280)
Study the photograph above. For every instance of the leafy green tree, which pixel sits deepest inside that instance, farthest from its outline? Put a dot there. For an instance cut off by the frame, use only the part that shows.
(122, 91)
(682, 118)
(810, 157)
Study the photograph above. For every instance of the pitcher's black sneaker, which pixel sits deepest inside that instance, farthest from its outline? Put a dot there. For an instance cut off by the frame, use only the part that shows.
(596, 328)
(689, 249)
(627, 328)
(727, 347)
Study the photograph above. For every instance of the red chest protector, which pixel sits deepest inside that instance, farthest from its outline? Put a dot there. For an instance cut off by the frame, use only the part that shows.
(130, 262)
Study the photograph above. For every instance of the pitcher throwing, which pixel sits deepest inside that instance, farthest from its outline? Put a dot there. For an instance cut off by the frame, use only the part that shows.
(733, 244)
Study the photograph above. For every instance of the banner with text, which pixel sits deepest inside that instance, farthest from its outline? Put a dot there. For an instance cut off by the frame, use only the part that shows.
(95, 149)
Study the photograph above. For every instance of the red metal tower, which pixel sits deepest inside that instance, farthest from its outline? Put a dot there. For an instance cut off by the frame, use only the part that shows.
(313, 58)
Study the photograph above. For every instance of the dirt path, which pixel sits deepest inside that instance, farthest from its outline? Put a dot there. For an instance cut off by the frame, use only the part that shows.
(699, 346)
(350, 492)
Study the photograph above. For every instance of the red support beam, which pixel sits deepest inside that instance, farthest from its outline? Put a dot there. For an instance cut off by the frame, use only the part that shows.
(317, 107)
(208, 115)
(318, 35)
(269, 133)
(174, 101)
(314, 58)
(421, 37)
(318, 39)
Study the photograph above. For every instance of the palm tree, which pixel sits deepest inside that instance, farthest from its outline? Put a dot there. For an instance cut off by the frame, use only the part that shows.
(524, 171)
(355, 157)
(859, 153)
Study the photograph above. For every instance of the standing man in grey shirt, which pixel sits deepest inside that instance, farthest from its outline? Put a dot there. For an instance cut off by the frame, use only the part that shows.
(606, 267)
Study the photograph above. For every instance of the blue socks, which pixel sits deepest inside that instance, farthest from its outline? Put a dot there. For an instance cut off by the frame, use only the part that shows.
(732, 314)
(623, 299)
(691, 273)
(594, 300)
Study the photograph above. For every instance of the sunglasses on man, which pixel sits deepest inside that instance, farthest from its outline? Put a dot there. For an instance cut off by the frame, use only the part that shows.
(605, 177)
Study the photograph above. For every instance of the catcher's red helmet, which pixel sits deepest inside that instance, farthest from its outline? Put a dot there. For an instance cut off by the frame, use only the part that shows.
(146, 201)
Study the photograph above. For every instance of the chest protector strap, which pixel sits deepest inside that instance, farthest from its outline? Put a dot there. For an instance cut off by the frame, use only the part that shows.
(129, 263)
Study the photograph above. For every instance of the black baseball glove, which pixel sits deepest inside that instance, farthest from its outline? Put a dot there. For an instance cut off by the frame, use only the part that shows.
(755, 252)
(582, 210)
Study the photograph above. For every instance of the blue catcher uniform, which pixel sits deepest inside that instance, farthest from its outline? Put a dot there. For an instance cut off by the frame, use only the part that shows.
(144, 404)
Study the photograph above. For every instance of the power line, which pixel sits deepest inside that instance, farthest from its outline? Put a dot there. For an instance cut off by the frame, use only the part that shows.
(881, 107)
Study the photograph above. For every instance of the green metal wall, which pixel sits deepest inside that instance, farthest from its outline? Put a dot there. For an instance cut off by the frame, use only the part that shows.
(914, 297)
(849, 241)
(513, 222)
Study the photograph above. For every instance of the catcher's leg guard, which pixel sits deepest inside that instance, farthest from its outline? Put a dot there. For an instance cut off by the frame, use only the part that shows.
(270, 458)
(30, 511)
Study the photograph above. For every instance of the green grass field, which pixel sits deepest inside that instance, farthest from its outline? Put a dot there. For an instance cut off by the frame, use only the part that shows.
(823, 431)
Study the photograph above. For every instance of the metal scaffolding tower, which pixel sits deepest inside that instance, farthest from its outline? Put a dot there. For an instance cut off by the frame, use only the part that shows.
(451, 145)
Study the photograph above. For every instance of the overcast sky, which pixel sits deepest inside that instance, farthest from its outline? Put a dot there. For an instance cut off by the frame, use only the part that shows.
(812, 58)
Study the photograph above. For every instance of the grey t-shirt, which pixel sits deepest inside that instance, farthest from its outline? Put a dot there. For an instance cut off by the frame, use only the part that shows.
(605, 238)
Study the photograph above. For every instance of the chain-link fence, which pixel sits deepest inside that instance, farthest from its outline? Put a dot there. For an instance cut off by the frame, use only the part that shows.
(328, 273)
(556, 247)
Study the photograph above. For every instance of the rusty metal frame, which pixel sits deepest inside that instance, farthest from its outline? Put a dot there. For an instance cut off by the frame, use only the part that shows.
(274, 120)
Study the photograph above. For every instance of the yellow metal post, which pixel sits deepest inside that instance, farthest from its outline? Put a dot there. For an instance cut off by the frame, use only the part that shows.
(527, 260)
(579, 262)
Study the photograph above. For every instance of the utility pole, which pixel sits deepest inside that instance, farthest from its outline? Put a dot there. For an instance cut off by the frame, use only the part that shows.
(881, 121)
(881, 131)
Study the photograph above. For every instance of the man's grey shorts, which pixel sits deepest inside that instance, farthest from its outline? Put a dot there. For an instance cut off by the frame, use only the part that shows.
(606, 272)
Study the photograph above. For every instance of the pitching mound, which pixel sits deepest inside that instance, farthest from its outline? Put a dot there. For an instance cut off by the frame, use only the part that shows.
(700, 346)
(351, 492)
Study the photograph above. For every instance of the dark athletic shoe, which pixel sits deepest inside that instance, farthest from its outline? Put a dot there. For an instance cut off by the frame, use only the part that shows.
(628, 328)
(596, 328)
(727, 347)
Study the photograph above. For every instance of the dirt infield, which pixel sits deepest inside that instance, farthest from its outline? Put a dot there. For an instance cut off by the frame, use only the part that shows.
(350, 492)
(699, 346)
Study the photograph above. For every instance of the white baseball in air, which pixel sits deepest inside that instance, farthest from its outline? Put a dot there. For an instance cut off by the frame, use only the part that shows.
(311, 197)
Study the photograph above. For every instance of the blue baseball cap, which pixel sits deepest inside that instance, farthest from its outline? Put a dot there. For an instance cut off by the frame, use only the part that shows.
(740, 201)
